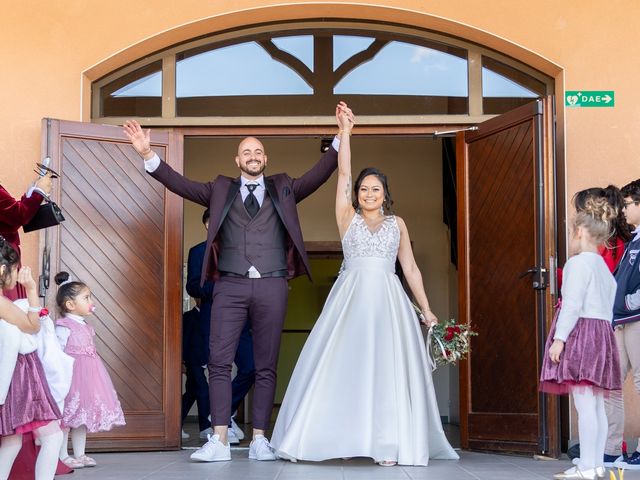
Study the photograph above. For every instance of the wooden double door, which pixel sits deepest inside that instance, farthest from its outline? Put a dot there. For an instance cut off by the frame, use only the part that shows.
(123, 237)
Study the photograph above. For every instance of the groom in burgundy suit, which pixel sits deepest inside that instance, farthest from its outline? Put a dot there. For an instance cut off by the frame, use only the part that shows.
(254, 245)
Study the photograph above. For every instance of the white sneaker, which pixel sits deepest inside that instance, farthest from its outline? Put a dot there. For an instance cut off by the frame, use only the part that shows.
(601, 471)
(204, 434)
(185, 435)
(231, 436)
(238, 431)
(574, 473)
(212, 451)
(260, 449)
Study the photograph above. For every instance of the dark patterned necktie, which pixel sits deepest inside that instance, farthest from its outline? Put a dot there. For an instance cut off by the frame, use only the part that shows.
(251, 202)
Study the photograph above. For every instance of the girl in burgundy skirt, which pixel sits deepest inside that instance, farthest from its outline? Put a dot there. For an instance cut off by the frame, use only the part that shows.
(26, 403)
(581, 353)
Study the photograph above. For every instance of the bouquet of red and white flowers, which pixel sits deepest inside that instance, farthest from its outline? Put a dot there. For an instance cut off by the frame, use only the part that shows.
(449, 342)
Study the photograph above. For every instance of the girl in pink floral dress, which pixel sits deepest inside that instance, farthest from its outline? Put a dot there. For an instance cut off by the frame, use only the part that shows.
(92, 404)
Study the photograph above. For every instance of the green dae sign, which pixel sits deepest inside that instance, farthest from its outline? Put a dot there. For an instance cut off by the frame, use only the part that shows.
(589, 98)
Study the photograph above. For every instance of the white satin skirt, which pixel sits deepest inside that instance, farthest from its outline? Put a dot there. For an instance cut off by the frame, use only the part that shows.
(362, 386)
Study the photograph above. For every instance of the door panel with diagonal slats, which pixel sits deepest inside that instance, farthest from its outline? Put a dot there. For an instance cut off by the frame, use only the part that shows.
(502, 238)
(115, 239)
(502, 220)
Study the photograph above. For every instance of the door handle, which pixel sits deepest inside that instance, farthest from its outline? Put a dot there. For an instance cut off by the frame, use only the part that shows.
(528, 272)
(46, 272)
(539, 280)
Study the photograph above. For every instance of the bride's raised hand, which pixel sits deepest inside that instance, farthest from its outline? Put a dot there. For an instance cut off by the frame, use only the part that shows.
(346, 125)
(344, 117)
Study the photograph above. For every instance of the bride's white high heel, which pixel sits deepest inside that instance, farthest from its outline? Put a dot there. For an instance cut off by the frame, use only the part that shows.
(387, 463)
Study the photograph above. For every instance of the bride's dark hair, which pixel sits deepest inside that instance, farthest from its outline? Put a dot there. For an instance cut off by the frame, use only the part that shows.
(383, 179)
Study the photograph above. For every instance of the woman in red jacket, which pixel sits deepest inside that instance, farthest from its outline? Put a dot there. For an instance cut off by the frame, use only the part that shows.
(16, 213)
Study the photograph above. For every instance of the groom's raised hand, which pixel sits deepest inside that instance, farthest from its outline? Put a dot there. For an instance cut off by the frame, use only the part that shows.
(140, 139)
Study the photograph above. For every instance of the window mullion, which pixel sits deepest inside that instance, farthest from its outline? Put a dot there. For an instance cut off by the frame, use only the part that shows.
(169, 86)
(474, 65)
(323, 66)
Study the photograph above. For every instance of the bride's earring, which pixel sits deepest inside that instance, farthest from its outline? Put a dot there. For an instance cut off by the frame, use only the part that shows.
(381, 210)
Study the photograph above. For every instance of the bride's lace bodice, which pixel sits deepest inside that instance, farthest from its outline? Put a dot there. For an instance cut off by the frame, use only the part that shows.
(360, 242)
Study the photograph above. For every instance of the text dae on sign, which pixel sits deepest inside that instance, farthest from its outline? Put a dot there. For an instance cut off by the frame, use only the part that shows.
(589, 98)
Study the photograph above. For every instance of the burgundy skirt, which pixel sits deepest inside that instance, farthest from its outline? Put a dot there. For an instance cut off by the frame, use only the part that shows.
(589, 359)
(29, 400)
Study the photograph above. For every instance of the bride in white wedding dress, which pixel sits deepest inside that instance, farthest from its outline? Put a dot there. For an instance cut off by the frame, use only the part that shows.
(362, 386)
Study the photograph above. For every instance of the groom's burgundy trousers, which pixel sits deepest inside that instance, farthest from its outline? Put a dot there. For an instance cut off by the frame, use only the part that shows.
(236, 300)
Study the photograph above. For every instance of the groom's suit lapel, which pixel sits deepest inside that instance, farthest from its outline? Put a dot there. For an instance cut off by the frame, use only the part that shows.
(234, 188)
(270, 187)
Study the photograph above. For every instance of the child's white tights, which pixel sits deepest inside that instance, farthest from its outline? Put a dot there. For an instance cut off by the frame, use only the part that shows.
(63, 446)
(46, 462)
(592, 426)
(78, 442)
(9, 448)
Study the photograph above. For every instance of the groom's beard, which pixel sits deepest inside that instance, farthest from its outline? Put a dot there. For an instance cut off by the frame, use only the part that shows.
(253, 172)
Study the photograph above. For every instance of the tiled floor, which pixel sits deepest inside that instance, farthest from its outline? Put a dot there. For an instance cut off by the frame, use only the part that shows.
(176, 465)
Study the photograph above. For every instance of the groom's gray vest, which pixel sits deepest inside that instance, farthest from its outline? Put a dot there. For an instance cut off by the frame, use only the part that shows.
(260, 241)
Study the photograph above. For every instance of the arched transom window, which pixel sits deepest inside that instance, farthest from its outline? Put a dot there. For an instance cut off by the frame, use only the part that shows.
(274, 73)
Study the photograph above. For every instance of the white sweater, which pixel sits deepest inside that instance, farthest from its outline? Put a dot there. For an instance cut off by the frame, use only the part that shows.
(588, 291)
